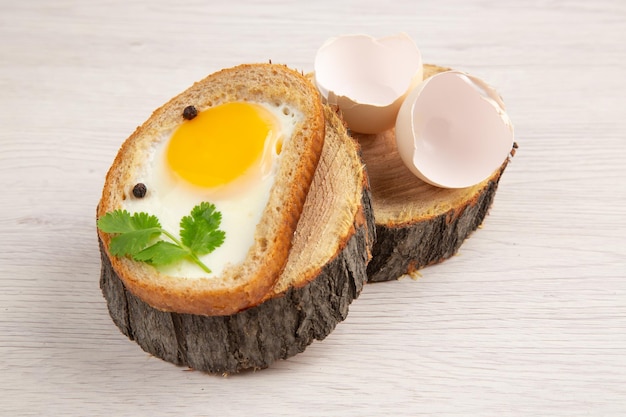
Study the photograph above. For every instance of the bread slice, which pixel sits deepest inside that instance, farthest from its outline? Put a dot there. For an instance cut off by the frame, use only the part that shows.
(417, 224)
(325, 271)
(244, 285)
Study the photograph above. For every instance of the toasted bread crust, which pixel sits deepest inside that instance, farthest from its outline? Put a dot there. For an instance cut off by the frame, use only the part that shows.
(334, 209)
(245, 285)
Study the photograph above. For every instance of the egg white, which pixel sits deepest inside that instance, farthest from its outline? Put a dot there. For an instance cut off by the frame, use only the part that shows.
(241, 202)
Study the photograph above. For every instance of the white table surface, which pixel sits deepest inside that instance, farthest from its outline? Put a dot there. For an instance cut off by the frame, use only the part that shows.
(528, 319)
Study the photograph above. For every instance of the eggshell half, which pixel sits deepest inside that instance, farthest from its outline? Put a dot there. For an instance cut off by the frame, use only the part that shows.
(368, 78)
(452, 131)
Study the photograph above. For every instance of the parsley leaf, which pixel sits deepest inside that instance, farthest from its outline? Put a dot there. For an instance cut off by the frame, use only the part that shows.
(121, 221)
(162, 253)
(134, 232)
(199, 231)
(135, 235)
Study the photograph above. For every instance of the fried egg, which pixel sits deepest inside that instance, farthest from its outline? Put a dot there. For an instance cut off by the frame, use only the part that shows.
(227, 155)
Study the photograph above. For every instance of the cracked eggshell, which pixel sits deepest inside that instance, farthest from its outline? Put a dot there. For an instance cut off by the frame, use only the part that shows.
(368, 78)
(452, 131)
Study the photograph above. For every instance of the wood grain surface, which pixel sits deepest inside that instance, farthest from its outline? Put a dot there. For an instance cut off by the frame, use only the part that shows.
(528, 319)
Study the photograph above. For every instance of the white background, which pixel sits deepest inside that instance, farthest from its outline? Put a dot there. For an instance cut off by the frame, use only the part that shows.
(528, 319)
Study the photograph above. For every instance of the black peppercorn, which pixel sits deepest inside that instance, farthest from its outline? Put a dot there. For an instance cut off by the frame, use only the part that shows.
(139, 190)
(189, 112)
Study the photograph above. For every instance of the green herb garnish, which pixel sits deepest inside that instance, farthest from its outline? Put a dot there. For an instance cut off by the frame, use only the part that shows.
(137, 236)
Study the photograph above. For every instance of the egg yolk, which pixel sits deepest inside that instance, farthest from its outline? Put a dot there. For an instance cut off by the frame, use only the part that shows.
(221, 143)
